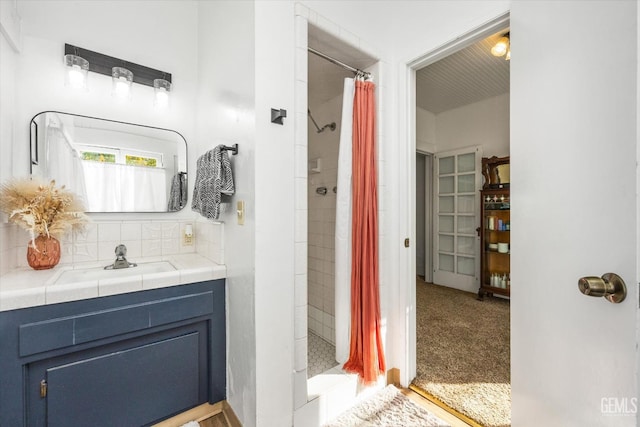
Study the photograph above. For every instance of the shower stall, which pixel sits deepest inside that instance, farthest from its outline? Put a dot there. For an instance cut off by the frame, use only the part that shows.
(326, 76)
(322, 180)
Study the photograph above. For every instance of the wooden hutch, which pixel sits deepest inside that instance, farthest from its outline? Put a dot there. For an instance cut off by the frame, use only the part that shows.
(495, 228)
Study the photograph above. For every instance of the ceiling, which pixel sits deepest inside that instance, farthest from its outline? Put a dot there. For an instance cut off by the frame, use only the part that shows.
(326, 80)
(467, 76)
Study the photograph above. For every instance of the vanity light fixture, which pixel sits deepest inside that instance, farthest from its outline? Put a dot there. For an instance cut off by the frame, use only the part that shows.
(502, 47)
(161, 89)
(77, 70)
(123, 73)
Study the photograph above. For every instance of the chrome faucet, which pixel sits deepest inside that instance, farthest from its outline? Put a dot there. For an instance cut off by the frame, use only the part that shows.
(121, 261)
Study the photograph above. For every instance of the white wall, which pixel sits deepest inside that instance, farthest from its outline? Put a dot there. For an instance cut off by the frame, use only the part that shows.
(275, 203)
(9, 38)
(484, 123)
(425, 131)
(226, 114)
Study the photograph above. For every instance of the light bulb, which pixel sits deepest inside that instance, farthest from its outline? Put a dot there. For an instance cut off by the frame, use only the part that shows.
(162, 97)
(501, 47)
(122, 87)
(122, 79)
(76, 77)
(161, 89)
(77, 68)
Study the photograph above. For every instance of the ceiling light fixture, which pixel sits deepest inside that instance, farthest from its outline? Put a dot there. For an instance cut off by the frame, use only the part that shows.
(502, 47)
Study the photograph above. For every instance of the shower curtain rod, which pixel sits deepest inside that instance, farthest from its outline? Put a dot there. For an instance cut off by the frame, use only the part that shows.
(366, 74)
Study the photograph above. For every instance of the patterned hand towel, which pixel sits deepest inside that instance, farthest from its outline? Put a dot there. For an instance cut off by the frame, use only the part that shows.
(213, 179)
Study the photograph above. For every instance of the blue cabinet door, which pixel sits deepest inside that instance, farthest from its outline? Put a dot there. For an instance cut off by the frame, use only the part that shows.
(133, 387)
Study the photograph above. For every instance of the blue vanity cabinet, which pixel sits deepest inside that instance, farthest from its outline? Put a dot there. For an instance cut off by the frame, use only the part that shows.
(123, 360)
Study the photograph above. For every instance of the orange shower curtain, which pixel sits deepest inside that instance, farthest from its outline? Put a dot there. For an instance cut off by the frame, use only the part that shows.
(366, 356)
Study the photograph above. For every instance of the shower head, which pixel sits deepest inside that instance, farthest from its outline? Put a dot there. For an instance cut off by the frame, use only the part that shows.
(331, 125)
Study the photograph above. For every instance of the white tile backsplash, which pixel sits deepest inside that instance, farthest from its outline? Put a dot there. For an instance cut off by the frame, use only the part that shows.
(107, 250)
(209, 240)
(151, 231)
(109, 231)
(99, 240)
(152, 247)
(131, 231)
(134, 248)
(85, 251)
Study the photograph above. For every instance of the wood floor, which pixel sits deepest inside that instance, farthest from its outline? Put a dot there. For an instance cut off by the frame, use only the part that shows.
(217, 420)
(434, 409)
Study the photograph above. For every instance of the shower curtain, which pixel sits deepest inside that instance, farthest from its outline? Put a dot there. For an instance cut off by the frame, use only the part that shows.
(366, 355)
(343, 227)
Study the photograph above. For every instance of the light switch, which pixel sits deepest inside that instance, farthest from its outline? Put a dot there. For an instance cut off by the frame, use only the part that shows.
(240, 210)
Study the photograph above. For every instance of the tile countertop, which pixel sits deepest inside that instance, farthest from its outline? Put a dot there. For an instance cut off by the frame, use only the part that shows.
(25, 287)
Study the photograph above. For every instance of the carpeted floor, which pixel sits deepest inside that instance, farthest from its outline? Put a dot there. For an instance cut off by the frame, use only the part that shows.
(463, 352)
(387, 408)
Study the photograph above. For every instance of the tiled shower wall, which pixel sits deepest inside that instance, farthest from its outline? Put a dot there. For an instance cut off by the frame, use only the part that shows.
(322, 219)
(143, 238)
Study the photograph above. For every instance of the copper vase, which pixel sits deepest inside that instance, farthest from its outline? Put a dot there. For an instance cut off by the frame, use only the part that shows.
(43, 253)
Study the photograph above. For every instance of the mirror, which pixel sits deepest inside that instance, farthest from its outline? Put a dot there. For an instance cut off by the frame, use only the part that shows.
(113, 166)
(496, 172)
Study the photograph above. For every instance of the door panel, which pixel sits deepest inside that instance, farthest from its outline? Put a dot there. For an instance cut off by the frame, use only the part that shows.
(456, 253)
(573, 189)
(131, 387)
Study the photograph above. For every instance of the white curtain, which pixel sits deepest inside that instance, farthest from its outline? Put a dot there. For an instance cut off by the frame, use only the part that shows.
(64, 163)
(124, 188)
(343, 228)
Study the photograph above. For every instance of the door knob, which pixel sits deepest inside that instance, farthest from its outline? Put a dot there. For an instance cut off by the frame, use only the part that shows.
(610, 285)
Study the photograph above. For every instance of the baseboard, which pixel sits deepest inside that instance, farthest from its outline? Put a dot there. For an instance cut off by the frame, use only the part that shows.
(431, 398)
(230, 416)
(393, 376)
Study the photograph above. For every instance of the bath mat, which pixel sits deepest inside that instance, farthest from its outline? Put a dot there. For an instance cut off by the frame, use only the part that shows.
(387, 408)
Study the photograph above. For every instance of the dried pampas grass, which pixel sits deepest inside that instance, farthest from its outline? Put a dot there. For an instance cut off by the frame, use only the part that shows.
(41, 208)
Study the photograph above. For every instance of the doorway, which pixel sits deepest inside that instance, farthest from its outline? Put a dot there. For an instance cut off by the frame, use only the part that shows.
(459, 120)
(329, 63)
(424, 217)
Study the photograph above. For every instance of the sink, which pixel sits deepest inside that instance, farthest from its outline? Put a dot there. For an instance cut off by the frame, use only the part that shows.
(97, 273)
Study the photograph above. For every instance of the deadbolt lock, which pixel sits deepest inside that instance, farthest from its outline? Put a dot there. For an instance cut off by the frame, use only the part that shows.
(610, 285)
